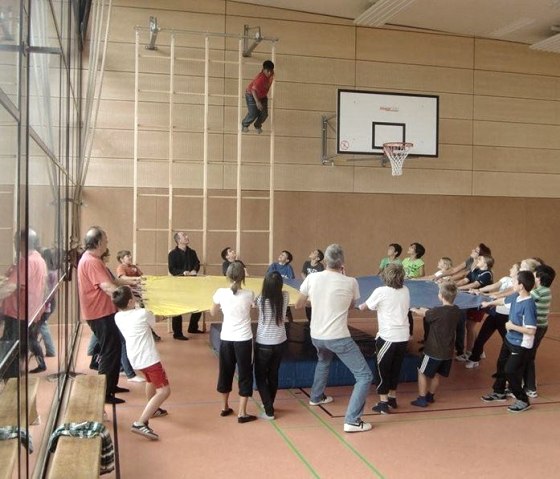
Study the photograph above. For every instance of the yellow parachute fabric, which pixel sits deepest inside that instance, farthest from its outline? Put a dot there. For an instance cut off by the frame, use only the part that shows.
(174, 295)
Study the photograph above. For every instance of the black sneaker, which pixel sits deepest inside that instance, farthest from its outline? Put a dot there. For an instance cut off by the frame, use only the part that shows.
(111, 399)
(420, 401)
(494, 397)
(247, 418)
(144, 430)
(160, 412)
(180, 338)
(392, 402)
(118, 389)
(430, 398)
(381, 407)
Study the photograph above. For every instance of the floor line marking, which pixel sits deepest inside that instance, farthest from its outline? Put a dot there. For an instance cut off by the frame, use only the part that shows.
(339, 436)
(290, 444)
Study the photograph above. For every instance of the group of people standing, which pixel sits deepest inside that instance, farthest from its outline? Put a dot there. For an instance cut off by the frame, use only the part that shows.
(329, 294)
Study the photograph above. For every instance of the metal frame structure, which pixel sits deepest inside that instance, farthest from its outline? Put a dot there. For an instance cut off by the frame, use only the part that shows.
(171, 129)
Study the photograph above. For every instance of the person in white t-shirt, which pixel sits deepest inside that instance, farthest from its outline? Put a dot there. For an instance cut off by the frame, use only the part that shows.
(135, 324)
(392, 303)
(331, 294)
(236, 340)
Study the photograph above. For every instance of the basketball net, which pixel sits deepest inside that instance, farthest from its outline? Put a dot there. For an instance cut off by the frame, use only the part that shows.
(397, 153)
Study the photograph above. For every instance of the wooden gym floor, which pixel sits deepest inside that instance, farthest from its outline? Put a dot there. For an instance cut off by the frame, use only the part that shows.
(458, 436)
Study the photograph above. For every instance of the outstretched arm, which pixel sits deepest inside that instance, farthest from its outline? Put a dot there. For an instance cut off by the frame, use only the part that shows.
(301, 301)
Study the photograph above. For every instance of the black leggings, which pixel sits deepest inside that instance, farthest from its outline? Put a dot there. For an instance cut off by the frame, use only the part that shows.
(267, 364)
(232, 353)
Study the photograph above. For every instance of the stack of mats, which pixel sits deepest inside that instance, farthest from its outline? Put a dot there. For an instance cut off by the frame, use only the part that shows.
(298, 364)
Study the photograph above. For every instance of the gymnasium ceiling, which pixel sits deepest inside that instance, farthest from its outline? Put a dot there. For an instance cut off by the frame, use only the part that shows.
(523, 21)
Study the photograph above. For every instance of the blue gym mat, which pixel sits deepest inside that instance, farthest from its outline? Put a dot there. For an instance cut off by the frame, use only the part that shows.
(298, 363)
(423, 294)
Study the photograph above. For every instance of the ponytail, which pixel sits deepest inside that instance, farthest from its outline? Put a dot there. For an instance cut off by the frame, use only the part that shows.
(236, 274)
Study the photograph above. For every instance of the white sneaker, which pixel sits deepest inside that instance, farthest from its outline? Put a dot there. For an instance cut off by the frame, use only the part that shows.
(483, 355)
(462, 357)
(323, 400)
(266, 417)
(531, 393)
(136, 379)
(472, 364)
(360, 427)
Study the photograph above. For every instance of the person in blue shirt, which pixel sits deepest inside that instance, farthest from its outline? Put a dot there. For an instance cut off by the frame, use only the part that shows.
(518, 343)
(283, 265)
(285, 269)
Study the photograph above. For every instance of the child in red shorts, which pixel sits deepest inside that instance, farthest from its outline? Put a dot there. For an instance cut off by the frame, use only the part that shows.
(135, 325)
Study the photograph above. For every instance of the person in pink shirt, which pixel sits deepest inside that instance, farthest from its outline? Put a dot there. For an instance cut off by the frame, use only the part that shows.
(95, 289)
(20, 288)
(256, 96)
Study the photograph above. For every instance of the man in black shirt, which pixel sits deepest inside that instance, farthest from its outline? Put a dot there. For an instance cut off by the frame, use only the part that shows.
(183, 261)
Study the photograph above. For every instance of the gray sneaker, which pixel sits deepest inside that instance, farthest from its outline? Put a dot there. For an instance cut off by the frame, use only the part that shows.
(519, 406)
(144, 430)
(244, 129)
(258, 130)
(323, 400)
(494, 397)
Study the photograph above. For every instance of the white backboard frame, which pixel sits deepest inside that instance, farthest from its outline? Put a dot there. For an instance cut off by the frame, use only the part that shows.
(367, 119)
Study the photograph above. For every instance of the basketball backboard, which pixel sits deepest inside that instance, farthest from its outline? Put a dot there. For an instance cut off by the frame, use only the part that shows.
(368, 119)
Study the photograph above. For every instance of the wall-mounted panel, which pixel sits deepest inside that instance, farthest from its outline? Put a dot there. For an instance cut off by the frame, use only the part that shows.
(514, 85)
(517, 110)
(393, 46)
(516, 160)
(516, 185)
(413, 78)
(494, 55)
(520, 135)
(315, 70)
(413, 181)
(314, 178)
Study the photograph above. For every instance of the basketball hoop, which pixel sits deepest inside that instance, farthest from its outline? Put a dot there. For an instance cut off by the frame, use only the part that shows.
(397, 153)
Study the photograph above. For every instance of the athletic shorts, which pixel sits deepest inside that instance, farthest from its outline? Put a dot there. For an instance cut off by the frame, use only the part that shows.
(156, 375)
(429, 367)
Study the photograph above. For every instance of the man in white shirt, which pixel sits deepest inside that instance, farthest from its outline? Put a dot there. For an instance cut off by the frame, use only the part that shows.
(331, 294)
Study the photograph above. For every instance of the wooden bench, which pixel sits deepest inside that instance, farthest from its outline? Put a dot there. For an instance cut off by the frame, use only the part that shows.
(78, 457)
(9, 449)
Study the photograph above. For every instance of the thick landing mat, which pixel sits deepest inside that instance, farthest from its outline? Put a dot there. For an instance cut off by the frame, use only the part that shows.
(298, 364)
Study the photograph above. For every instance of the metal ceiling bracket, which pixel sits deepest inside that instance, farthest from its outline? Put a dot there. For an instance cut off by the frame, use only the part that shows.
(326, 159)
(154, 30)
(251, 33)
